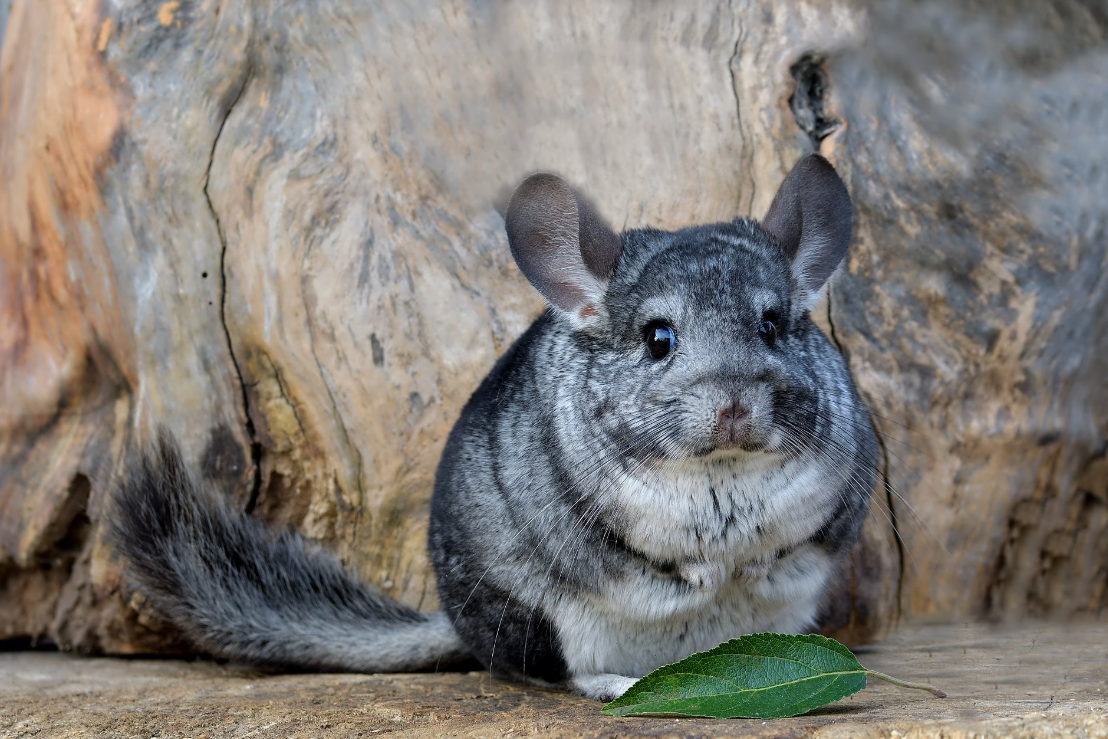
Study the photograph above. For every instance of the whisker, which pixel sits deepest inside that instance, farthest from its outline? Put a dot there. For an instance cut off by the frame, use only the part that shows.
(835, 466)
(839, 446)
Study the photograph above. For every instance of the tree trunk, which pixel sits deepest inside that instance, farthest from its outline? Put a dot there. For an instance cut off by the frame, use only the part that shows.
(276, 228)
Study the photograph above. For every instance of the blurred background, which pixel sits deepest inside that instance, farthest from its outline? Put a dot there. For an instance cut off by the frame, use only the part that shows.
(276, 228)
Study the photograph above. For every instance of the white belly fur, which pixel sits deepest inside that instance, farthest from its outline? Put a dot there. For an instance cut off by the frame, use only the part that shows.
(638, 626)
(639, 623)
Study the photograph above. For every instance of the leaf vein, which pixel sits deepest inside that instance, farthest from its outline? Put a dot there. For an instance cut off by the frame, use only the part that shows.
(741, 689)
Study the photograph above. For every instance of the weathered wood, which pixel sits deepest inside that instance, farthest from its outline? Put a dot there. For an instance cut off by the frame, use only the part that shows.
(105, 234)
(274, 227)
(1038, 681)
(975, 304)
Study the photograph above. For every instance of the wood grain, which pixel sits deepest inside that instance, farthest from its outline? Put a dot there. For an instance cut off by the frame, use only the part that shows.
(1026, 683)
(277, 228)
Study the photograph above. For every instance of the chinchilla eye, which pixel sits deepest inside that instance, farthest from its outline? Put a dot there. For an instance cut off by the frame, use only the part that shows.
(660, 339)
(768, 329)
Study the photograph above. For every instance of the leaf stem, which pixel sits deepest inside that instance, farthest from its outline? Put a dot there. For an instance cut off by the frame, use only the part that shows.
(915, 686)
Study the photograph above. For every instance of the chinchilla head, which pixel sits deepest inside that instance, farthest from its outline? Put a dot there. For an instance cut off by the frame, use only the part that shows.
(692, 342)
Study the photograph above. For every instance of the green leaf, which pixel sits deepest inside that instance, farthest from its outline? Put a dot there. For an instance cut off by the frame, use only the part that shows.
(754, 676)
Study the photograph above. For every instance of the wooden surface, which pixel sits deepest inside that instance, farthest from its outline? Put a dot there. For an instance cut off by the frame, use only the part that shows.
(276, 228)
(975, 304)
(1035, 681)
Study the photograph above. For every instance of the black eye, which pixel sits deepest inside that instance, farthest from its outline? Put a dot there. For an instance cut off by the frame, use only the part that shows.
(660, 339)
(768, 329)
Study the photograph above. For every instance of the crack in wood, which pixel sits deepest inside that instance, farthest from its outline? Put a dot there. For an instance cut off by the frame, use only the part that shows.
(251, 431)
(731, 64)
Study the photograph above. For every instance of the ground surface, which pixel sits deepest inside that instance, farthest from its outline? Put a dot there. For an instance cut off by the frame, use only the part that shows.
(1039, 680)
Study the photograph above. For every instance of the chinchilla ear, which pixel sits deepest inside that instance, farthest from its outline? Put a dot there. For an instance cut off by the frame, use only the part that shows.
(563, 247)
(811, 219)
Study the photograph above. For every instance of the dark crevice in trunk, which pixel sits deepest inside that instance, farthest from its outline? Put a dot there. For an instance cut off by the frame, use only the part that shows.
(255, 445)
(808, 99)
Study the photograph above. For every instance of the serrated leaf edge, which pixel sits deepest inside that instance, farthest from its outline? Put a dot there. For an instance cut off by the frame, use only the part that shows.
(814, 639)
(835, 675)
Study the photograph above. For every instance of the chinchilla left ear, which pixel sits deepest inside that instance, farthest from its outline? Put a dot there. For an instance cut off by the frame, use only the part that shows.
(811, 218)
(562, 245)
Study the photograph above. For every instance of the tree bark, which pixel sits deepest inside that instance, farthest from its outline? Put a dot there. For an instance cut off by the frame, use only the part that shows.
(276, 229)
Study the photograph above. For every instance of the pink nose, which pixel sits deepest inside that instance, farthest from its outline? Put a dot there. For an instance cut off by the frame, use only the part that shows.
(731, 421)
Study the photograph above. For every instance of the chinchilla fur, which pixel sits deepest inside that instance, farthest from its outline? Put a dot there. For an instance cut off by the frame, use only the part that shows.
(671, 456)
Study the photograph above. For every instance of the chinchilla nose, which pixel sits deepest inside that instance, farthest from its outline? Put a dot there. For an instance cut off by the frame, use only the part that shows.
(732, 419)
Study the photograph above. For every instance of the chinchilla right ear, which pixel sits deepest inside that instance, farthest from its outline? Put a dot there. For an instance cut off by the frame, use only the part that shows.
(562, 245)
(811, 218)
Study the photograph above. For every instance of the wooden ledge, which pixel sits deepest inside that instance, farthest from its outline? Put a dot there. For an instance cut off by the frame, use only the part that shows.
(1036, 680)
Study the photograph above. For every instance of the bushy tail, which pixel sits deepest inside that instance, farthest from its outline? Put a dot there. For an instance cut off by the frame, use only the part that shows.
(241, 592)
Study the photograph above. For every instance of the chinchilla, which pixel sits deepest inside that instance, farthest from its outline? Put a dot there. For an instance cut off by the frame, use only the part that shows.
(672, 455)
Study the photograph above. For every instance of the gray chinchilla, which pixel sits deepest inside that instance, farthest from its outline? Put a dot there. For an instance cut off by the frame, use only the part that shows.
(671, 456)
